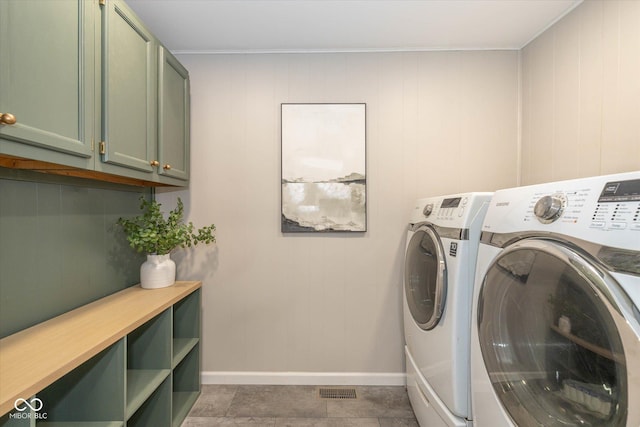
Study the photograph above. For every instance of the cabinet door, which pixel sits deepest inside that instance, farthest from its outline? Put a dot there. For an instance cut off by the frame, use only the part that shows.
(174, 117)
(129, 89)
(46, 79)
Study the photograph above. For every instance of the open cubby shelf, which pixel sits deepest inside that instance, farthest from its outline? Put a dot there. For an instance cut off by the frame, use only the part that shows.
(141, 384)
(182, 403)
(130, 359)
(186, 385)
(182, 347)
(185, 360)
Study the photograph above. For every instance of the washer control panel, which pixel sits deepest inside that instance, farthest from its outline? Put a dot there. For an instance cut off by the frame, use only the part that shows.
(604, 209)
(618, 206)
(614, 205)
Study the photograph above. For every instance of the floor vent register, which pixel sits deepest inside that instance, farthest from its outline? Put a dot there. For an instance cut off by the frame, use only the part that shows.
(337, 393)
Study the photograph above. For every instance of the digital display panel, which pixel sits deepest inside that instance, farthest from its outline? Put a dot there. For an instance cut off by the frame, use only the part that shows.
(453, 202)
(621, 191)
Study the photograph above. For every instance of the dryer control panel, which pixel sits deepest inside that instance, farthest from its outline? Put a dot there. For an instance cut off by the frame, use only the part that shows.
(451, 207)
(454, 211)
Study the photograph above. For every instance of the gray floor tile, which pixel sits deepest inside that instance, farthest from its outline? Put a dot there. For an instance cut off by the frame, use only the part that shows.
(214, 401)
(398, 422)
(277, 401)
(228, 421)
(387, 402)
(299, 406)
(327, 422)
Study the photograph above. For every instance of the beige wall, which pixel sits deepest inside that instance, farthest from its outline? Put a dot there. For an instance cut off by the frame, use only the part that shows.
(581, 94)
(437, 123)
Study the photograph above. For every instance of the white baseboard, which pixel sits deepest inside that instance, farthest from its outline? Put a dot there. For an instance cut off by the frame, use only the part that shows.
(305, 378)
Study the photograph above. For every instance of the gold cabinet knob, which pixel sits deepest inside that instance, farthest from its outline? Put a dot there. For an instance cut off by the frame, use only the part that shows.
(7, 119)
(166, 167)
(154, 163)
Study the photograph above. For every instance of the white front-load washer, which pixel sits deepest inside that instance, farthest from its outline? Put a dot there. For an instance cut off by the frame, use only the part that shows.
(442, 243)
(555, 322)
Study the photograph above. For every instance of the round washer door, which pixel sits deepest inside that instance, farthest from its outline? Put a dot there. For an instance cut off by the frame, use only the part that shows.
(553, 332)
(425, 277)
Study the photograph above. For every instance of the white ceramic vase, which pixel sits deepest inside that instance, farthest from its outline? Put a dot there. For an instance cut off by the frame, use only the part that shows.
(158, 271)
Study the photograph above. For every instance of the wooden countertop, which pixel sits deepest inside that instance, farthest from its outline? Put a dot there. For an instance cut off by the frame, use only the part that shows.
(34, 358)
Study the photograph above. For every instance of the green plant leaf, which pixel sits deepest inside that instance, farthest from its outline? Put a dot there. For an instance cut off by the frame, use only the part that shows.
(152, 233)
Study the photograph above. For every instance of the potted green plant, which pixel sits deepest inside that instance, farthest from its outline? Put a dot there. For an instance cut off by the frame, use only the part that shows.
(156, 235)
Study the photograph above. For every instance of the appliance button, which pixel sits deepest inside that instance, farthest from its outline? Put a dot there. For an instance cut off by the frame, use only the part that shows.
(635, 227)
(598, 224)
(461, 212)
(618, 225)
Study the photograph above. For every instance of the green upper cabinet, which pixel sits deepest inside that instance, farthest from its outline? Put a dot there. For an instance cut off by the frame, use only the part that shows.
(91, 87)
(145, 102)
(173, 116)
(129, 90)
(47, 80)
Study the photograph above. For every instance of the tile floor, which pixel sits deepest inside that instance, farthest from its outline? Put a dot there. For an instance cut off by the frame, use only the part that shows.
(293, 406)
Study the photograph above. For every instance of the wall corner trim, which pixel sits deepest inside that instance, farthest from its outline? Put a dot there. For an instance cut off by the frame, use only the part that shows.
(305, 378)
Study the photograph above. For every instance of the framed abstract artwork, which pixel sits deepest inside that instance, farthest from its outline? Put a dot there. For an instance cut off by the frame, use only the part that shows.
(324, 178)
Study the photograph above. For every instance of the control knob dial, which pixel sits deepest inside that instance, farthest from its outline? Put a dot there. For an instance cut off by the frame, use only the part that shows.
(549, 208)
(427, 210)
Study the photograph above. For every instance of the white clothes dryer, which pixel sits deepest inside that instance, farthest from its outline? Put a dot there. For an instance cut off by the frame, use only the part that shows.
(555, 322)
(442, 244)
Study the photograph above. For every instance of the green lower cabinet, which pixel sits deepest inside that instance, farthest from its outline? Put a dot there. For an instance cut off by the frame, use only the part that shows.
(156, 410)
(186, 385)
(90, 395)
(186, 355)
(83, 424)
(18, 419)
(150, 378)
(149, 346)
(142, 383)
(186, 326)
(148, 360)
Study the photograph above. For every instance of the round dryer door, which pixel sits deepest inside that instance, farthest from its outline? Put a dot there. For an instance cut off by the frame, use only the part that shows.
(425, 277)
(553, 336)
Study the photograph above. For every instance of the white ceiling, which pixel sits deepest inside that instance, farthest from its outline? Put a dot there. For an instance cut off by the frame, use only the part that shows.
(347, 25)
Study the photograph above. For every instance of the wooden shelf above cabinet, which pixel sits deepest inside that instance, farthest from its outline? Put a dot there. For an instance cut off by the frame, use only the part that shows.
(34, 358)
(13, 162)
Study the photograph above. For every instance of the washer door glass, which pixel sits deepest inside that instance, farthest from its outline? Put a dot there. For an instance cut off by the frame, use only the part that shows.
(425, 278)
(549, 335)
